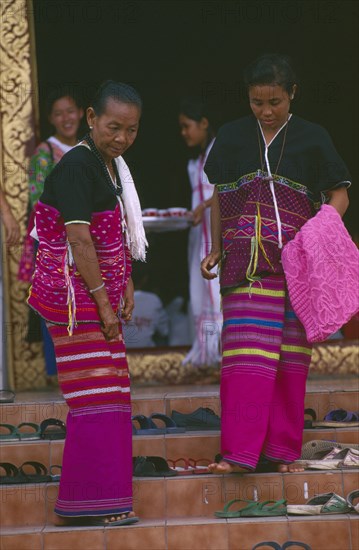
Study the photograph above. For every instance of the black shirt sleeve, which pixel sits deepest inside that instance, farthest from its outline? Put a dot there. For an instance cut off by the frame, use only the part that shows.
(330, 171)
(70, 185)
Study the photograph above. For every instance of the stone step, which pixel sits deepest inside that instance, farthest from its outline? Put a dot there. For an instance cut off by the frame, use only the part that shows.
(35, 407)
(32, 504)
(336, 532)
(196, 445)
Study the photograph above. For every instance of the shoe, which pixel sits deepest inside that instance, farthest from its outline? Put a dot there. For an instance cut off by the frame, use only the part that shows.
(326, 503)
(335, 459)
(268, 508)
(151, 466)
(200, 419)
(350, 500)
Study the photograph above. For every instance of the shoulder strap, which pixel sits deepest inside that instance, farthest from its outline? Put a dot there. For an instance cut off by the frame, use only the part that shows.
(51, 150)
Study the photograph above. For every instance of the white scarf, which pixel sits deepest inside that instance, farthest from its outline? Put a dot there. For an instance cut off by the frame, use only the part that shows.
(137, 241)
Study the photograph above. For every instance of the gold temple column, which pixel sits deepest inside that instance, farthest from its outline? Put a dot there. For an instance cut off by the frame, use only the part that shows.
(19, 119)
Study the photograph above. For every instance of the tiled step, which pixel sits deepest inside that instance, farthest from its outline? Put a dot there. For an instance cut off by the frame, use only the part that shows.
(35, 407)
(338, 532)
(181, 496)
(196, 445)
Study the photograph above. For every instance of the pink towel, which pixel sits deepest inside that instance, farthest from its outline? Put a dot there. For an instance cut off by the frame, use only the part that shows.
(321, 265)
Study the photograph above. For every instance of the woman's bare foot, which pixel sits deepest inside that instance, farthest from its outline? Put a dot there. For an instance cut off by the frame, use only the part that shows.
(290, 468)
(223, 467)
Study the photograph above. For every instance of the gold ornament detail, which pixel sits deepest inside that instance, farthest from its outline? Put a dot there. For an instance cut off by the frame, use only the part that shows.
(18, 113)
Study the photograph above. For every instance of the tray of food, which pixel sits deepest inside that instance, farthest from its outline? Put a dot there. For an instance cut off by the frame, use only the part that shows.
(170, 219)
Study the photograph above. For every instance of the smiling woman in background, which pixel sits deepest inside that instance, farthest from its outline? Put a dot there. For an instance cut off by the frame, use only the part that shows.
(64, 114)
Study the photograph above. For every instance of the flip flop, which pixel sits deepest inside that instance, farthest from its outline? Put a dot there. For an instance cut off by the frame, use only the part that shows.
(170, 425)
(202, 418)
(36, 434)
(7, 396)
(117, 523)
(290, 543)
(53, 429)
(226, 513)
(335, 459)
(265, 544)
(326, 503)
(55, 477)
(318, 448)
(40, 474)
(151, 466)
(147, 426)
(339, 418)
(11, 434)
(11, 473)
(199, 468)
(184, 470)
(350, 500)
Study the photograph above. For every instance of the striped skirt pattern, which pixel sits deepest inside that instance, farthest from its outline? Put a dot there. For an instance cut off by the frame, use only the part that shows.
(96, 476)
(264, 369)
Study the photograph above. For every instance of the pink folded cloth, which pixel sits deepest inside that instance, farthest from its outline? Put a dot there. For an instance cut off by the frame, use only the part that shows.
(321, 266)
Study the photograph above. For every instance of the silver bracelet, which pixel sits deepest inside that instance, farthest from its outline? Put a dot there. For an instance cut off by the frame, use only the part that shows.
(96, 289)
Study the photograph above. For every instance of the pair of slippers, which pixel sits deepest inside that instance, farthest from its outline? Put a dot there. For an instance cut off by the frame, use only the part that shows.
(338, 418)
(252, 508)
(51, 428)
(145, 425)
(277, 546)
(29, 472)
(202, 418)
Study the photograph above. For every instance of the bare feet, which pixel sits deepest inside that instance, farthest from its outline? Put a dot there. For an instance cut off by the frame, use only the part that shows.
(290, 468)
(224, 467)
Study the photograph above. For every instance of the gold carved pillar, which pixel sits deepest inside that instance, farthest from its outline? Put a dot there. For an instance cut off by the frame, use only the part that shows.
(19, 119)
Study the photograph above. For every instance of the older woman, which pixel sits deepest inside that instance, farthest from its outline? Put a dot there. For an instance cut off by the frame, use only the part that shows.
(271, 172)
(88, 222)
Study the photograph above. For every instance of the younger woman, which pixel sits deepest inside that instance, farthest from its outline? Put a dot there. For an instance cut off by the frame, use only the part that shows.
(198, 133)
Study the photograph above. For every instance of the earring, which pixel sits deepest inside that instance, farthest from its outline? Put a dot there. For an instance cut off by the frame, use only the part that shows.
(91, 127)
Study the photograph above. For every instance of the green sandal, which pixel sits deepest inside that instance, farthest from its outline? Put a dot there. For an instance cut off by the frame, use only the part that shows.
(253, 509)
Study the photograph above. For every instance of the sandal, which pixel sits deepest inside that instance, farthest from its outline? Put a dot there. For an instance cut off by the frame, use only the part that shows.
(147, 426)
(28, 435)
(200, 419)
(350, 500)
(184, 470)
(40, 474)
(254, 509)
(290, 543)
(11, 473)
(265, 544)
(7, 396)
(170, 425)
(55, 477)
(336, 458)
(151, 466)
(11, 434)
(316, 449)
(338, 418)
(52, 428)
(116, 523)
(326, 503)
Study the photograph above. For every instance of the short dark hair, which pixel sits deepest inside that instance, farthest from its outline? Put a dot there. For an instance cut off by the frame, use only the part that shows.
(118, 91)
(271, 69)
(59, 93)
(194, 108)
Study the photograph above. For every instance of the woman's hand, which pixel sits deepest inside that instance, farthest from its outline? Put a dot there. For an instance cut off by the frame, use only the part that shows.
(128, 302)
(209, 263)
(198, 213)
(109, 321)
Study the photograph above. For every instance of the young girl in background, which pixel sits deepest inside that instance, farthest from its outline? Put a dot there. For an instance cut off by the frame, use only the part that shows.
(198, 133)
